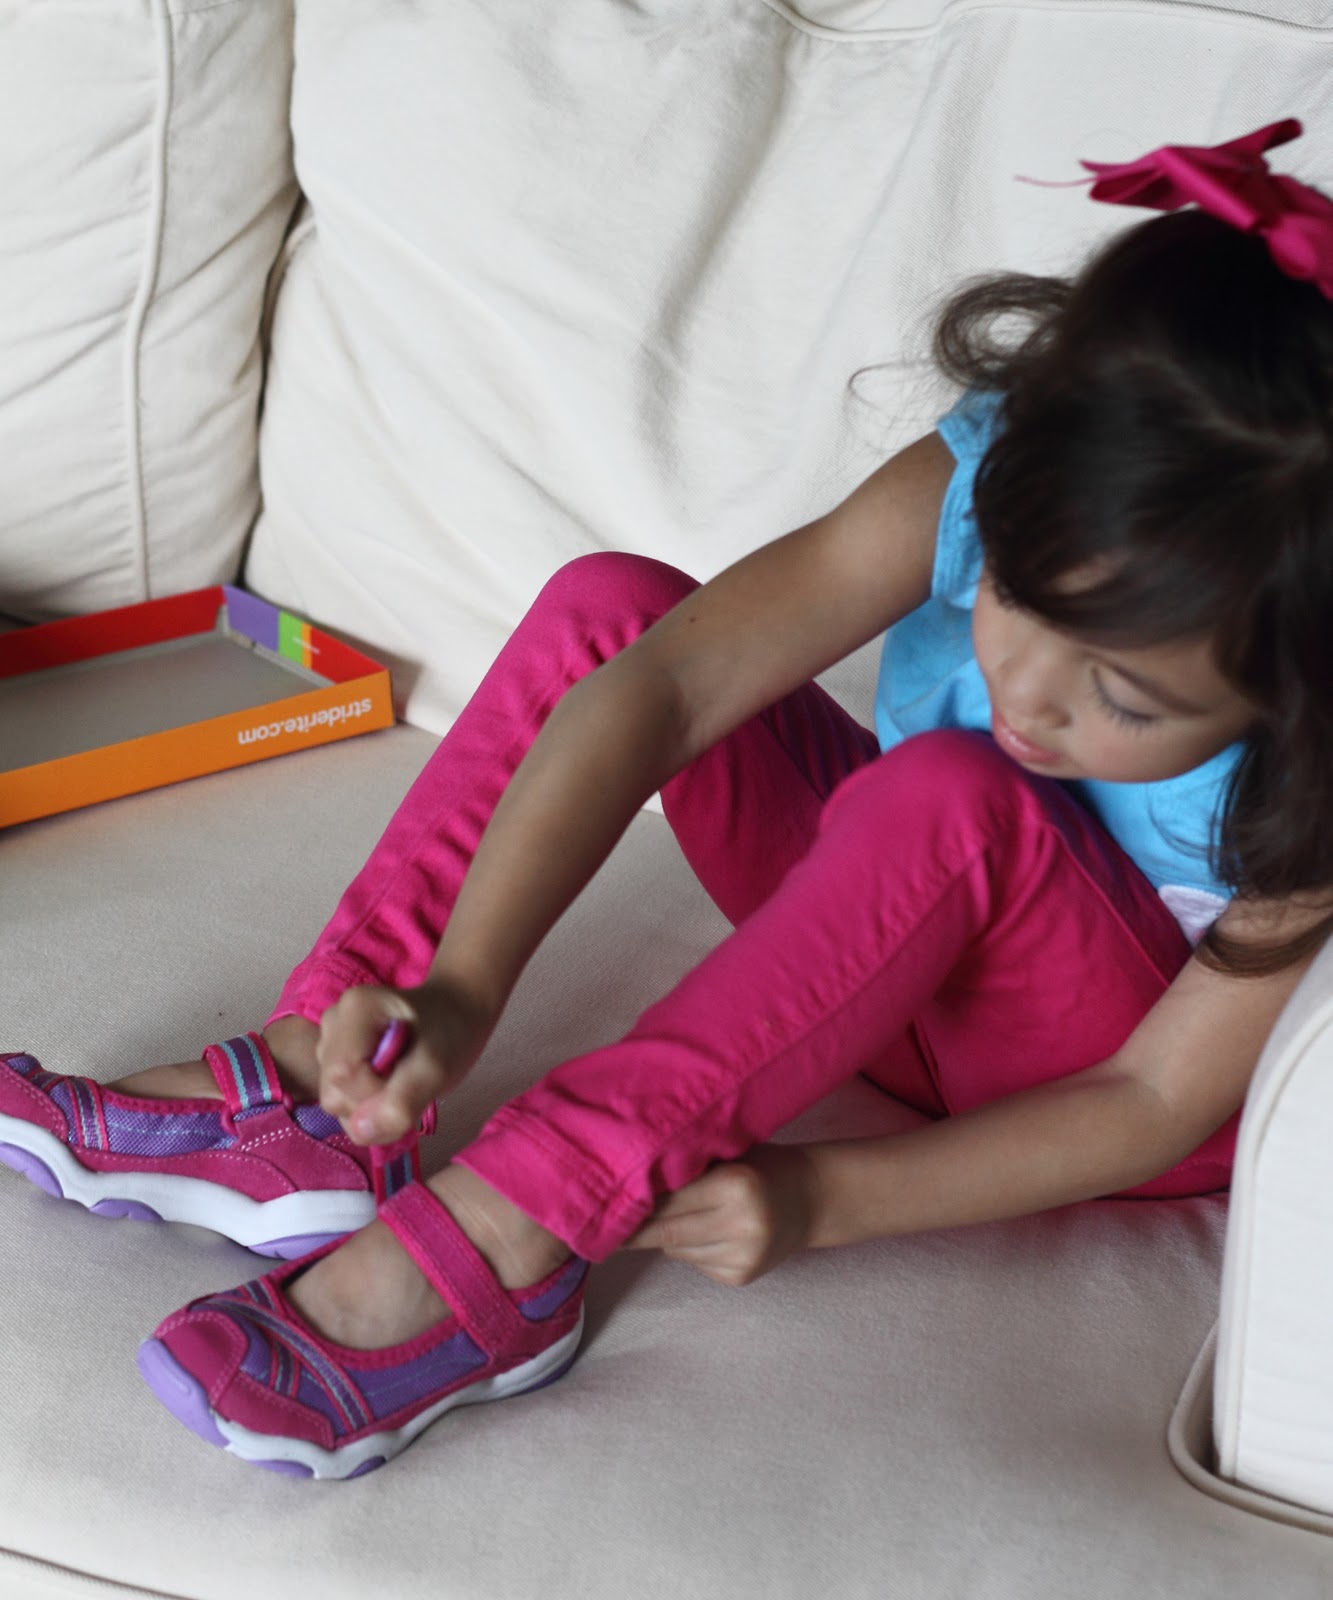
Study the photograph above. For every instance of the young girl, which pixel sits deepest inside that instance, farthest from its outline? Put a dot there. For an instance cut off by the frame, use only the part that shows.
(1106, 710)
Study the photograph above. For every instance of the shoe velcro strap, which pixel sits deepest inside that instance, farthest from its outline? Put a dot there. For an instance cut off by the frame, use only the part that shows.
(455, 1270)
(394, 1166)
(243, 1069)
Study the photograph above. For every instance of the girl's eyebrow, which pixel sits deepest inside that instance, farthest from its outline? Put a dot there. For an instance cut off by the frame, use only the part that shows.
(1154, 690)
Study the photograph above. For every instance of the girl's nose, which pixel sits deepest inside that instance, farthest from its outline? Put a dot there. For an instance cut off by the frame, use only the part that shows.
(1036, 691)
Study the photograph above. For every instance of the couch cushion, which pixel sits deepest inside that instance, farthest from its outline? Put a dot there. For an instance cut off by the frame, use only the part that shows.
(897, 17)
(145, 183)
(656, 276)
(979, 1413)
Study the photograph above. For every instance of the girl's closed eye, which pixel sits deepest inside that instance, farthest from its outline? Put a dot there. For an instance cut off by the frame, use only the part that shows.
(1137, 720)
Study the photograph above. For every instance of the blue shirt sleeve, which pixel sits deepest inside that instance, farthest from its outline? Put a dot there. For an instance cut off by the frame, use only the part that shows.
(967, 430)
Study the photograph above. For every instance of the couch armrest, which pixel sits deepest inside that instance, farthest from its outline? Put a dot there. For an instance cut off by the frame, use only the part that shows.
(1273, 1382)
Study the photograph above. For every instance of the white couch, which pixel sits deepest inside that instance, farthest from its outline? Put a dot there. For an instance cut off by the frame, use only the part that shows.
(515, 280)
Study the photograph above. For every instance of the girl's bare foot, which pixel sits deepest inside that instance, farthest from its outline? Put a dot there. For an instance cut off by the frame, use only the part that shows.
(368, 1293)
(291, 1040)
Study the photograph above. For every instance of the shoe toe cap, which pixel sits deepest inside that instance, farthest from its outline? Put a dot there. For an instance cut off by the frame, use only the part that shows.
(249, 1377)
(22, 1099)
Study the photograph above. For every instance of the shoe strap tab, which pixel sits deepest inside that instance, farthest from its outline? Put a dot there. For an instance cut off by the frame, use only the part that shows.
(394, 1166)
(243, 1069)
(455, 1270)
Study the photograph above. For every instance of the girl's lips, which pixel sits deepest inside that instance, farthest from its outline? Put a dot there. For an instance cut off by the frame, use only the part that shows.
(1021, 749)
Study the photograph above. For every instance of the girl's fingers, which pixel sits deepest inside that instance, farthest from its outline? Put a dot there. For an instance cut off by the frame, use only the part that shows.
(350, 1032)
(396, 1105)
(685, 1220)
(723, 1224)
(724, 1260)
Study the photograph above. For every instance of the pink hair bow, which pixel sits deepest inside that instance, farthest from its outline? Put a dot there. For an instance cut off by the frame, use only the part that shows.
(1232, 182)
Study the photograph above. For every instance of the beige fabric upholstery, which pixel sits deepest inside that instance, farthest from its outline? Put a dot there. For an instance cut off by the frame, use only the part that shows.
(145, 185)
(586, 274)
(974, 1414)
(659, 276)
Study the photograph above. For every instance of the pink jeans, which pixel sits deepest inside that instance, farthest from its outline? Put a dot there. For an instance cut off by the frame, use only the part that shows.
(934, 917)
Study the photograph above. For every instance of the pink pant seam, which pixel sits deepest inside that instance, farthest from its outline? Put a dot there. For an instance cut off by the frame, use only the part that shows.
(1124, 923)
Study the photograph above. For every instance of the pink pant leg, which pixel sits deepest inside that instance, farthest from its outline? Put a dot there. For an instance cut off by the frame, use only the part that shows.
(743, 812)
(946, 887)
(388, 923)
(748, 809)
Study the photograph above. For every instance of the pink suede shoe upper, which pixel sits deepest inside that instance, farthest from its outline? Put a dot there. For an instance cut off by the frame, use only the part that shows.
(255, 1142)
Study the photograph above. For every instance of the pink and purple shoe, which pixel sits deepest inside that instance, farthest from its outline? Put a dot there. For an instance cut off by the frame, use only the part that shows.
(245, 1372)
(280, 1179)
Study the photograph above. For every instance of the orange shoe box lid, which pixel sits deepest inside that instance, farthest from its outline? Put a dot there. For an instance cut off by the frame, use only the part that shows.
(110, 704)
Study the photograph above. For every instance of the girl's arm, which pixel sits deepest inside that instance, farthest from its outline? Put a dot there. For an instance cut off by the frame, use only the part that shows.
(1182, 1072)
(757, 631)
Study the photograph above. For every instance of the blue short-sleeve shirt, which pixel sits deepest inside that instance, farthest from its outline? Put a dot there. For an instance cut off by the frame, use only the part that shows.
(929, 678)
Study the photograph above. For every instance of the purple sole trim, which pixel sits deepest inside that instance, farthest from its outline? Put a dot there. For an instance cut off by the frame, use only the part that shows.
(31, 1168)
(37, 1171)
(287, 1469)
(178, 1391)
(296, 1244)
(553, 1377)
(187, 1402)
(130, 1210)
(294, 1469)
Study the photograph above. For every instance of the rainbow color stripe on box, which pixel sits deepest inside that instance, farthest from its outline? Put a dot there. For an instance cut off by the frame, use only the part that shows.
(295, 640)
(291, 637)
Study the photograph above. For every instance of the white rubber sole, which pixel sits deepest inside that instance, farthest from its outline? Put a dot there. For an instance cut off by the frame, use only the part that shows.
(292, 1224)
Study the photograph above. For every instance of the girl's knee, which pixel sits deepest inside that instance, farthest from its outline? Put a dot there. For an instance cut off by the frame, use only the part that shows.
(610, 581)
(945, 769)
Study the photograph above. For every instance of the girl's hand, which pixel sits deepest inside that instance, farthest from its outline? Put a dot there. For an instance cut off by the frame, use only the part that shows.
(740, 1219)
(448, 1030)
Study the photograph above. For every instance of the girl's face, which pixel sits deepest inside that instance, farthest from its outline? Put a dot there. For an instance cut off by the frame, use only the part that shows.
(1067, 709)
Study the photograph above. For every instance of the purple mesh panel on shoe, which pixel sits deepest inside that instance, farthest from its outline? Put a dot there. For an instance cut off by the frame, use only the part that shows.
(151, 1133)
(316, 1397)
(171, 1133)
(550, 1300)
(315, 1121)
(275, 1351)
(30, 1067)
(390, 1388)
(273, 1365)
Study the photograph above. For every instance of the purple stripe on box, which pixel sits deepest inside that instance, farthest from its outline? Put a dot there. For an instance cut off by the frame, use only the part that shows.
(253, 617)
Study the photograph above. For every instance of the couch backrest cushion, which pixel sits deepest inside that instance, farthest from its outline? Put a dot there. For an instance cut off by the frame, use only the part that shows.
(609, 274)
(895, 17)
(145, 185)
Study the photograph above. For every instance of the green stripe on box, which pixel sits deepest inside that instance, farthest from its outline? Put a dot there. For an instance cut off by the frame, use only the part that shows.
(293, 639)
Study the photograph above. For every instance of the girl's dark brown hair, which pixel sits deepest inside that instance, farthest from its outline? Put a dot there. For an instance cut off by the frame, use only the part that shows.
(1167, 421)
